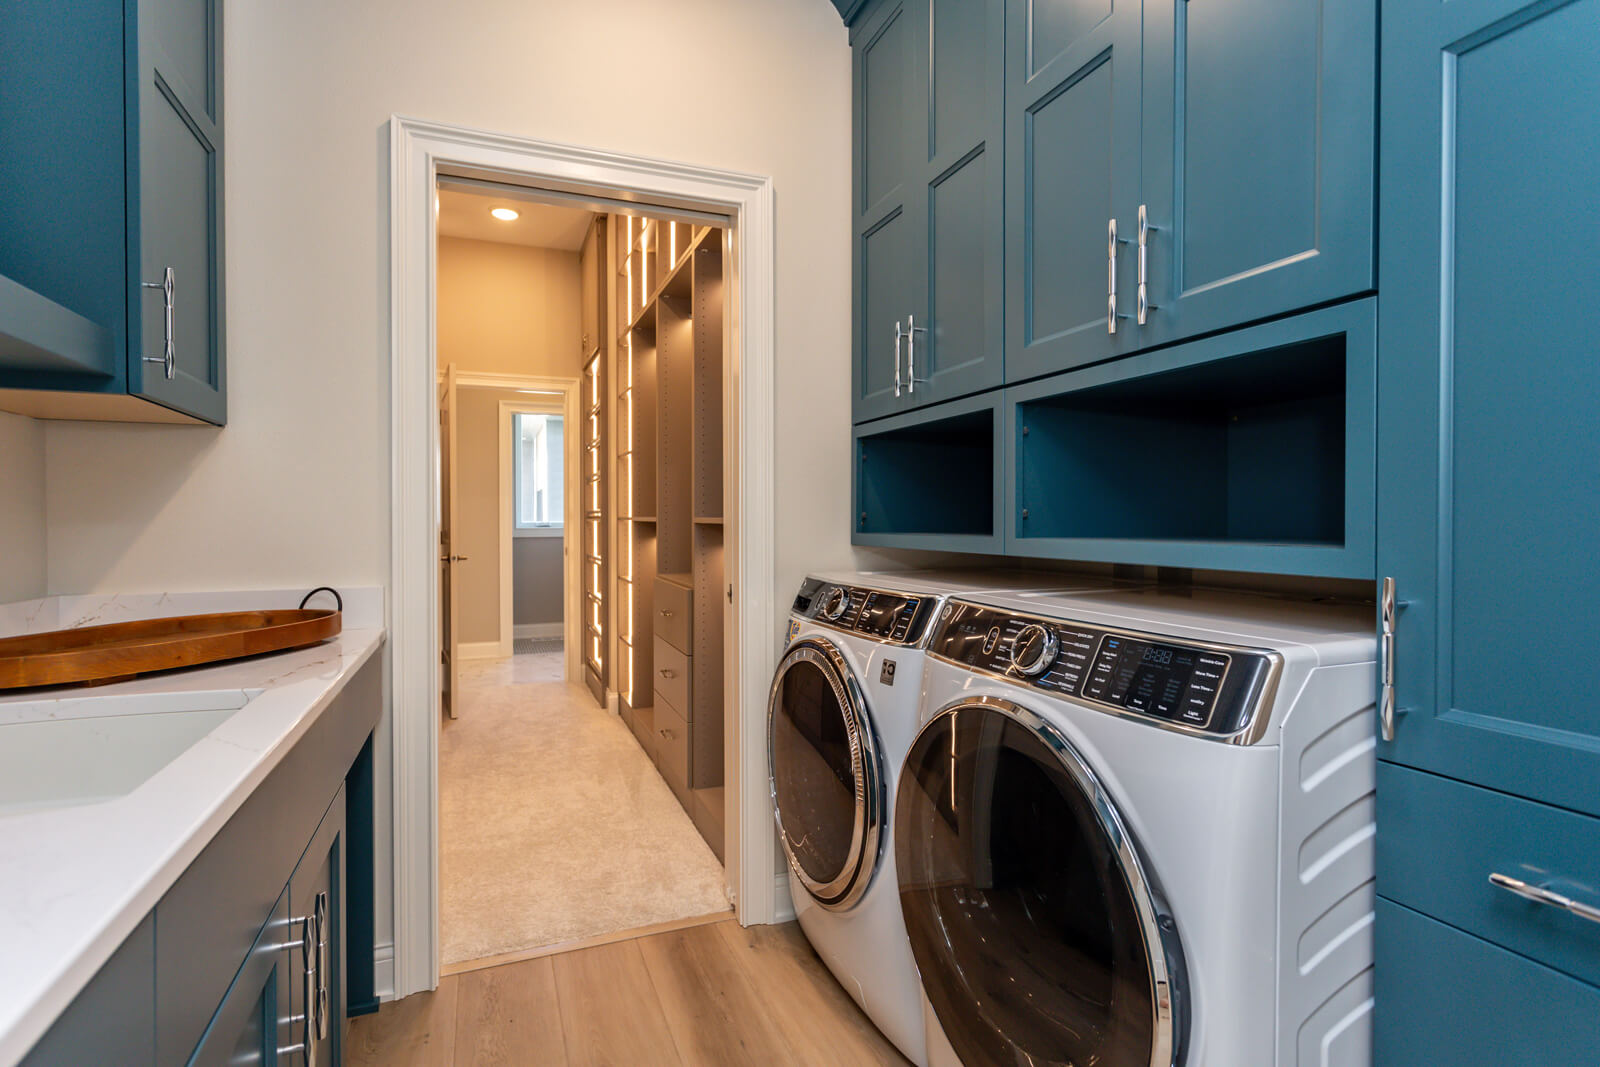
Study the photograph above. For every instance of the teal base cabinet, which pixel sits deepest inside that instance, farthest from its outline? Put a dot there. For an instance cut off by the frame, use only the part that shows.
(249, 957)
(1488, 518)
(1248, 451)
(111, 158)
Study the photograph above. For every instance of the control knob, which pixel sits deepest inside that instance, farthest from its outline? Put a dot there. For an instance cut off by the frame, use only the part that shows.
(835, 603)
(1033, 650)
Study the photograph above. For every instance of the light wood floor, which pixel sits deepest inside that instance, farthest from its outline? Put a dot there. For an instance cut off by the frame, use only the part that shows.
(713, 994)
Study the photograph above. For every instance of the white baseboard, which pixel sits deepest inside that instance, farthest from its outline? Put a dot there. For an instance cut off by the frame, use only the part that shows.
(383, 971)
(537, 629)
(479, 650)
(782, 901)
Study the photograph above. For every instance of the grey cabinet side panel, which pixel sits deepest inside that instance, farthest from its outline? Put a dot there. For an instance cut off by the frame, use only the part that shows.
(113, 1019)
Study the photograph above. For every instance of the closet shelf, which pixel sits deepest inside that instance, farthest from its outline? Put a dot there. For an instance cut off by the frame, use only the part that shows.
(683, 578)
(708, 520)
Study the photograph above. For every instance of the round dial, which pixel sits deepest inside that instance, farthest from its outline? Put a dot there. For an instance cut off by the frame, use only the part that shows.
(834, 605)
(1033, 650)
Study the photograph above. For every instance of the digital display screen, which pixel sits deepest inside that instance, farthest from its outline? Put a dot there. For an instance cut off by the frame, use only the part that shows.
(887, 615)
(1169, 681)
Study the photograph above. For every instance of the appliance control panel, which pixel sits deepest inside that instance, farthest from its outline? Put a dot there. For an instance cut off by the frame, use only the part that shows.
(1206, 687)
(885, 615)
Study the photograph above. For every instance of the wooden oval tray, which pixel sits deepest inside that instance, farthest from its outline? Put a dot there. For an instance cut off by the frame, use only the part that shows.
(96, 655)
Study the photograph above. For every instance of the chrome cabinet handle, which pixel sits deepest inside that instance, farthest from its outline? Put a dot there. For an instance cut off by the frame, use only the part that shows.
(897, 335)
(1390, 608)
(168, 286)
(1144, 307)
(1112, 241)
(667, 673)
(322, 971)
(665, 614)
(452, 559)
(1540, 895)
(912, 329)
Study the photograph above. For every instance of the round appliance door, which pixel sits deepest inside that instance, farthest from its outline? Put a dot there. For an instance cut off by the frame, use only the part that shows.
(827, 785)
(1038, 935)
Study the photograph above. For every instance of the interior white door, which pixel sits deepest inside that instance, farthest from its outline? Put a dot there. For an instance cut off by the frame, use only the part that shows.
(449, 659)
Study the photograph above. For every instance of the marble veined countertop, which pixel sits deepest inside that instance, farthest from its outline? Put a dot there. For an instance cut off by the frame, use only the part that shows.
(76, 880)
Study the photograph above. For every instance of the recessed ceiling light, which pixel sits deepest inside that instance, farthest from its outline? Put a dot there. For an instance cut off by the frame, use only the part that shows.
(504, 214)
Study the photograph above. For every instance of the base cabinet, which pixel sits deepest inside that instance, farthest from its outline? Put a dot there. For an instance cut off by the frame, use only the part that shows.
(244, 959)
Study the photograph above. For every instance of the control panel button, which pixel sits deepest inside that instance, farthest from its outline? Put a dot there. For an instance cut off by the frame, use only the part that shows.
(1033, 650)
(834, 604)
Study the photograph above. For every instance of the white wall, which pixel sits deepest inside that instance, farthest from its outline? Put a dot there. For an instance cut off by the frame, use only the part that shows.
(22, 509)
(296, 489)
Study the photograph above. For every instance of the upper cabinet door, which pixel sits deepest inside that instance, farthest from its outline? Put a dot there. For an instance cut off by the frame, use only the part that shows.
(1072, 176)
(955, 344)
(175, 355)
(1259, 130)
(1489, 501)
(890, 236)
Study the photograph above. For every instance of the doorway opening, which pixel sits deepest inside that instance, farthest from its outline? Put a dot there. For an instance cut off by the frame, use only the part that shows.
(584, 620)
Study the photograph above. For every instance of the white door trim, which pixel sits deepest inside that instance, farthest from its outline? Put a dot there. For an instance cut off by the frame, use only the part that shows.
(418, 150)
(566, 405)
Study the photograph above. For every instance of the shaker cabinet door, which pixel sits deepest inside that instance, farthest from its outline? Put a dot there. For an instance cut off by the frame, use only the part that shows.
(1259, 155)
(1072, 176)
(1489, 500)
(889, 231)
(175, 355)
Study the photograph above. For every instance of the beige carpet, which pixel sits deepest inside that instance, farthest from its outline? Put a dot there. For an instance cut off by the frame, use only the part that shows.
(553, 824)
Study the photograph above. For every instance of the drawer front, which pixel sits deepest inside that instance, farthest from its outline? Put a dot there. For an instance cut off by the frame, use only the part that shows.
(674, 617)
(1440, 839)
(672, 679)
(643, 723)
(1445, 997)
(672, 751)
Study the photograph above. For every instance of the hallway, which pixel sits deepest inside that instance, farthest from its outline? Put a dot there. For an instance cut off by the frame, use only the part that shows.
(554, 826)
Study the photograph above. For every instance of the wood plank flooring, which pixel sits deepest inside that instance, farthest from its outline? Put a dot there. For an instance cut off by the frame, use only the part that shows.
(712, 994)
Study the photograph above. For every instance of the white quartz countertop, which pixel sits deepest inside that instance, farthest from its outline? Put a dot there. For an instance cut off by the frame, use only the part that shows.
(76, 881)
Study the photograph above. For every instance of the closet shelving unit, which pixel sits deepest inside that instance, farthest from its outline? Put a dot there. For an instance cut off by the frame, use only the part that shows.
(672, 588)
(594, 291)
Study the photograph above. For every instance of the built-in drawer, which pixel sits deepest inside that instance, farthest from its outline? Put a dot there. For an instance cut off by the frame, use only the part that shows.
(643, 723)
(674, 618)
(672, 751)
(672, 679)
(1444, 997)
(1439, 840)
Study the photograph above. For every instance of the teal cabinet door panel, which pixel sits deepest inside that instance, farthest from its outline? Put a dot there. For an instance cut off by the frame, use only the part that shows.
(929, 75)
(1489, 502)
(1445, 997)
(956, 346)
(1258, 162)
(253, 1024)
(61, 85)
(178, 360)
(1072, 173)
(889, 225)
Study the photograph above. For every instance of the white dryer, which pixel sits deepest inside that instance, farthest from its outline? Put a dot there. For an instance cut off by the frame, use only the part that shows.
(1136, 829)
(841, 714)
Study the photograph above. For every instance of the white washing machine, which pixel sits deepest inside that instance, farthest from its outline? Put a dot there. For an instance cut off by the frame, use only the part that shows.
(842, 711)
(1136, 829)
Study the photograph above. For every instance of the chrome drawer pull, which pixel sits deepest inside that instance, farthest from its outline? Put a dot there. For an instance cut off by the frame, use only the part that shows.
(912, 329)
(667, 673)
(898, 333)
(665, 614)
(1112, 241)
(1143, 305)
(1540, 895)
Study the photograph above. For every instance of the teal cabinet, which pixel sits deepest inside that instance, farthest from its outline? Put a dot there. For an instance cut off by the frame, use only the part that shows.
(1259, 159)
(1176, 169)
(111, 153)
(927, 195)
(253, 1024)
(1072, 181)
(1488, 514)
(1489, 506)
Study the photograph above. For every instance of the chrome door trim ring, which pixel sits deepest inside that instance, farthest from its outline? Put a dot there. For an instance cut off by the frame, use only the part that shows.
(1159, 932)
(866, 835)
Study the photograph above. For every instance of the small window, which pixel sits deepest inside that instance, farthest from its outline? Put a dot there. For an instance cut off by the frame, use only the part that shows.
(537, 472)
